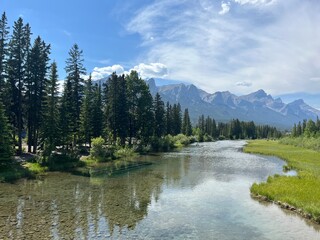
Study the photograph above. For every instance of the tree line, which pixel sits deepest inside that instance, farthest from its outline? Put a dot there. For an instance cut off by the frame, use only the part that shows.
(208, 129)
(122, 110)
(308, 128)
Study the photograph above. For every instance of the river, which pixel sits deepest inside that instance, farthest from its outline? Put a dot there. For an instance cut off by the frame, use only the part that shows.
(200, 192)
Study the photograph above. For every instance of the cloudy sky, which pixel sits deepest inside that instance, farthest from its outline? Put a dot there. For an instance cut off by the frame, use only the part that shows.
(235, 45)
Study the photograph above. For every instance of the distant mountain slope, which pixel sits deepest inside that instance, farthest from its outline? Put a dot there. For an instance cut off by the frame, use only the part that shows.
(223, 106)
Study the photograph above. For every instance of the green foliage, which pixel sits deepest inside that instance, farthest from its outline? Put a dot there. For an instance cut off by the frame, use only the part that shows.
(181, 140)
(98, 150)
(61, 161)
(86, 114)
(159, 116)
(36, 168)
(186, 123)
(302, 141)
(6, 149)
(124, 152)
(300, 191)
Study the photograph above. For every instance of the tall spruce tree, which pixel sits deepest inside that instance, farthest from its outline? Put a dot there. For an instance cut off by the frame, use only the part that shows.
(36, 89)
(159, 116)
(75, 69)
(6, 150)
(177, 119)
(97, 113)
(133, 93)
(116, 107)
(186, 123)
(18, 51)
(66, 122)
(145, 115)
(169, 119)
(4, 31)
(50, 128)
(86, 114)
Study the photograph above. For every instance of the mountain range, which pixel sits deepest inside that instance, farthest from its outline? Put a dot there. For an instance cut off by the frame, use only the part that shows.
(258, 106)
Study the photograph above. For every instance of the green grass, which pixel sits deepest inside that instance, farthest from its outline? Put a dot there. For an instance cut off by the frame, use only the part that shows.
(301, 191)
(35, 168)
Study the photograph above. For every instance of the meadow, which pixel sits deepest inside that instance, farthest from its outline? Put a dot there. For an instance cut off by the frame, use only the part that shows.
(302, 191)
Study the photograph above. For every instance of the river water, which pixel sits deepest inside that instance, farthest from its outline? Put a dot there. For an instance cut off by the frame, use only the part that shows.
(200, 192)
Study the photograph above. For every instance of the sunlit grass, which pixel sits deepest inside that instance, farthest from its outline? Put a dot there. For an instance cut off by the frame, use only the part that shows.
(301, 191)
(35, 168)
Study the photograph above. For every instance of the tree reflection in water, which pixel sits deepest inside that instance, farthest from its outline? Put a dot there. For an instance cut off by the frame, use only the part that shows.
(67, 206)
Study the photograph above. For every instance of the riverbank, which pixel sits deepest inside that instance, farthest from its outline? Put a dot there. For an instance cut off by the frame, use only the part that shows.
(299, 193)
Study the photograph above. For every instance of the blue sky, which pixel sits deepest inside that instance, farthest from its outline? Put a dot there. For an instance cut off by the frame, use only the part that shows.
(235, 45)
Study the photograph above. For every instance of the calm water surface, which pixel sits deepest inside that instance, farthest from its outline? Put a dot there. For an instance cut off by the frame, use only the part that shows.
(201, 192)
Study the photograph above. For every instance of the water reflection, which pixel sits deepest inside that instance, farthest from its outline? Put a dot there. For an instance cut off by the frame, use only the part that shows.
(64, 205)
(201, 192)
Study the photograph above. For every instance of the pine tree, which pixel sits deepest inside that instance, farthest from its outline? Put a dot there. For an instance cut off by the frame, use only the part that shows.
(145, 117)
(186, 123)
(299, 129)
(75, 69)
(4, 31)
(5, 139)
(116, 107)
(169, 119)
(133, 83)
(18, 52)
(177, 119)
(36, 84)
(97, 113)
(86, 128)
(159, 116)
(50, 128)
(66, 121)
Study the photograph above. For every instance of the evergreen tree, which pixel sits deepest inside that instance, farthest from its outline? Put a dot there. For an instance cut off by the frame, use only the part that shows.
(18, 52)
(169, 119)
(159, 116)
(50, 128)
(134, 87)
(5, 139)
(299, 129)
(36, 88)
(4, 31)
(86, 128)
(186, 123)
(75, 69)
(145, 117)
(177, 119)
(97, 113)
(66, 121)
(116, 107)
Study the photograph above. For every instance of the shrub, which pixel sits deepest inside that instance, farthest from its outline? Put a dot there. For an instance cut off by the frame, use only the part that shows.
(98, 150)
(124, 152)
(181, 140)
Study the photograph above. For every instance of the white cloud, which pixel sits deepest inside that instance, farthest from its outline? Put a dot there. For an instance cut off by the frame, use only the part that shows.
(102, 72)
(255, 2)
(225, 8)
(244, 84)
(157, 70)
(274, 48)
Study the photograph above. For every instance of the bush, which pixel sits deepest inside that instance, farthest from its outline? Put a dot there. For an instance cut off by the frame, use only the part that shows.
(181, 140)
(124, 152)
(98, 150)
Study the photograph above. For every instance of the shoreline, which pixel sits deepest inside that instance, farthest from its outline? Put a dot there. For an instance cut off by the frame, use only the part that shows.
(274, 187)
(286, 206)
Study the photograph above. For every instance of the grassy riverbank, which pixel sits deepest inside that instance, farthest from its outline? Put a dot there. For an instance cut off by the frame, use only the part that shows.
(301, 191)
